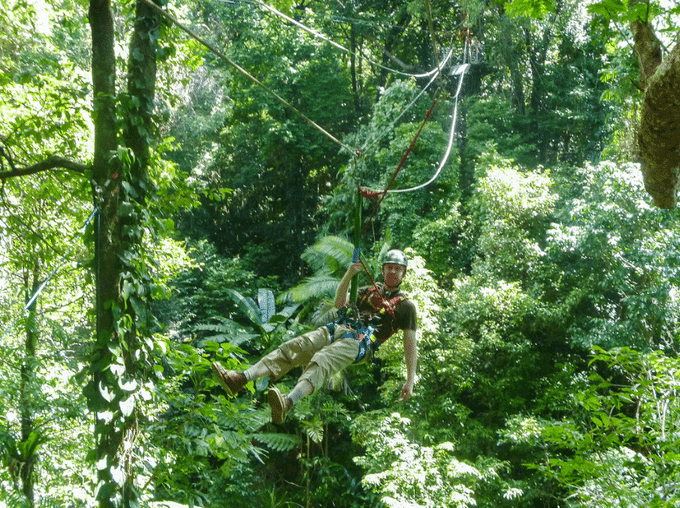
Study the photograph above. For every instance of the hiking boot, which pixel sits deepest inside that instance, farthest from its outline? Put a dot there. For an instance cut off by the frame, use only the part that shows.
(280, 405)
(231, 380)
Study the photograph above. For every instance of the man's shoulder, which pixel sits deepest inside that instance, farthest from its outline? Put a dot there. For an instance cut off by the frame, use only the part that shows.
(407, 303)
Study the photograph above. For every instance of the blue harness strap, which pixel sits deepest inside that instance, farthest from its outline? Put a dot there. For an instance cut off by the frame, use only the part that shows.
(366, 342)
(360, 331)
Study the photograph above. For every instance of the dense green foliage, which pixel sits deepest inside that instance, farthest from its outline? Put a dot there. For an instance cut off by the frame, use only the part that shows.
(547, 285)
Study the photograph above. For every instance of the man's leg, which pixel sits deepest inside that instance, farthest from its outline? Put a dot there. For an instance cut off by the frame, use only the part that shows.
(327, 361)
(293, 353)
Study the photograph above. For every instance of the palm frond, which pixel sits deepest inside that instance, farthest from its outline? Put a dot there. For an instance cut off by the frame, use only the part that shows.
(331, 254)
(318, 286)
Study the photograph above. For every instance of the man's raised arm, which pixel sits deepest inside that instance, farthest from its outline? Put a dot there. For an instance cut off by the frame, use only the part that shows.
(343, 288)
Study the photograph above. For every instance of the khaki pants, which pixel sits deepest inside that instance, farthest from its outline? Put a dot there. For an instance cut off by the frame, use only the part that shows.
(315, 350)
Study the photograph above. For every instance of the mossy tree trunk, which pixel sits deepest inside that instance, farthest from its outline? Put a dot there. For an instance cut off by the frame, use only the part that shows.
(659, 131)
(120, 187)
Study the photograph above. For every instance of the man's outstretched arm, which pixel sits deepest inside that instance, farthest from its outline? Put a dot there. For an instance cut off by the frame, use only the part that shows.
(411, 360)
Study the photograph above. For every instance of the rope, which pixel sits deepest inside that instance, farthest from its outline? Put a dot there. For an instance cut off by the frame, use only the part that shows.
(248, 76)
(49, 277)
(401, 164)
(450, 144)
(381, 194)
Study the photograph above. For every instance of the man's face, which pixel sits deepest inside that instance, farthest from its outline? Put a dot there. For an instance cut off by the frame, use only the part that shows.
(392, 274)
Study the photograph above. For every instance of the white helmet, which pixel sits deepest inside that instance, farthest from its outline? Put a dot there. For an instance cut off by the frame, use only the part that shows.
(397, 257)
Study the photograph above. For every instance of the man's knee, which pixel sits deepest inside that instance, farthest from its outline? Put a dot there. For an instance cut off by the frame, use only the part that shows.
(315, 375)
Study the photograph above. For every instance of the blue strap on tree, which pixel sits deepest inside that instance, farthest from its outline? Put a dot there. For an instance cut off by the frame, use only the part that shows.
(355, 255)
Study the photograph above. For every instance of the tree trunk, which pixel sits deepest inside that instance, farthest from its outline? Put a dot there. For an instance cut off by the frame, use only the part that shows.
(26, 402)
(511, 57)
(659, 131)
(142, 86)
(117, 181)
(106, 181)
(353, 67)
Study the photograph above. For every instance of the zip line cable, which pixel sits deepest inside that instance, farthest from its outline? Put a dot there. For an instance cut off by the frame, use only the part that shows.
(368, 145)
(313, 32)
(49, 277)
(356, 152)
(248, 75)
(434, 72)
(451, 138)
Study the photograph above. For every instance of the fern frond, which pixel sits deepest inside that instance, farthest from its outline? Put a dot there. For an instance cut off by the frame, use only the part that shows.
(248, 421)
(225, 330)
(278, 442)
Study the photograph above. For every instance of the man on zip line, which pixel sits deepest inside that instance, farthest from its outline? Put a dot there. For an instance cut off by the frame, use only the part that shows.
(379, 311)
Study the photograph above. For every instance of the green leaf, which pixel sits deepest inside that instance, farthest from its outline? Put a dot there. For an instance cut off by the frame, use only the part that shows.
(267, 304)
(610, 9)
(127, 406)
(247, 305)
(529, 8)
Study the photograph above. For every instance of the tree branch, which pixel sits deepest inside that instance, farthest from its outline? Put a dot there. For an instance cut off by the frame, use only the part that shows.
(53, 162)
(647, 49)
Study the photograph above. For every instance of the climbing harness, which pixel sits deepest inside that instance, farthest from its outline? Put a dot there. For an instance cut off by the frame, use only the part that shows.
(360, 331)
(363, 329)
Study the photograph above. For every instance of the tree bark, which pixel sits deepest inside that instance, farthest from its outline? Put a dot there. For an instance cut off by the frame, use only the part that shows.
(353, 66)
(659, 130)
(26, 399)
(106, 182)
(54, 162)
(119, 180)
(142, 86)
